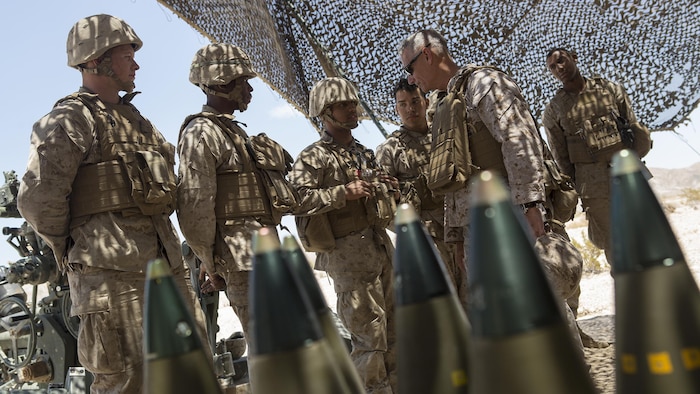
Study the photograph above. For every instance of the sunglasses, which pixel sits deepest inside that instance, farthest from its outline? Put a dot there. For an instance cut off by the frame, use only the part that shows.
(408, 69)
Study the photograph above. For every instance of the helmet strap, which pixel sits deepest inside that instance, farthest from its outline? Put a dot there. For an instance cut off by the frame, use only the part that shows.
(104, 68)
(327, 116)
(234, 95)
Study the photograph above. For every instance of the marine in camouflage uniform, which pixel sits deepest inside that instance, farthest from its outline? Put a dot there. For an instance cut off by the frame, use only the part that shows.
(405, 155)
(502, 137)
(357, 253)
(581, 122)
(220, 196)
(99, 188)
(497, 115)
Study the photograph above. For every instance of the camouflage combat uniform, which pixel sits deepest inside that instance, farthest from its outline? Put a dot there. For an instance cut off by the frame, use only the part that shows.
(360, 264)
(405, 155)
(572, 119)
(77, 159)
(495, 105)
(223, 245)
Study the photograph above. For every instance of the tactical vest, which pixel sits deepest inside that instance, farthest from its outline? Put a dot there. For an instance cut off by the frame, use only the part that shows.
(591, 122)
(377, 210)
(135, 168)
(319, 232)
(260, 190)
(461, 145)
(419, 155)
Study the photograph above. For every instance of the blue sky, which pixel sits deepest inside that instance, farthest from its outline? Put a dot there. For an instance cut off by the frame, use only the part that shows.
(35, 75)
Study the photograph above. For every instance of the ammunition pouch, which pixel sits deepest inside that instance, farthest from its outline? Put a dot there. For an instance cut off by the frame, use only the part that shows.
(602, 137)
(380, 208)
(261, 190)
(319, 232)
(137, 174)
(450, 159)
(240, 195)
(274, 162)
(415, 191)
(315, 233)
(152, 182)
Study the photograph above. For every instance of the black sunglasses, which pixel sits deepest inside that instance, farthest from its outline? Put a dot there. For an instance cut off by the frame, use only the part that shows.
(408, 69)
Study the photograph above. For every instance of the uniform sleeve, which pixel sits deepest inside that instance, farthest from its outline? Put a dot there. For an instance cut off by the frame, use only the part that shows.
(59, 141)
(387, 154)
(557, 141)
(392, 161)
(499, 103)
(196, 192)
(318, 182)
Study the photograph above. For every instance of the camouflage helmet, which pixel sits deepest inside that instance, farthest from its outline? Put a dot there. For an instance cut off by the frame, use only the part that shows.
(219, 64)
(91, 37)
(329, 91)
(562, 263)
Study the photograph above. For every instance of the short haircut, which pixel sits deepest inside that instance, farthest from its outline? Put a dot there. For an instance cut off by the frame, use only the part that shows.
(570, 52)
(404, 85)
(423, 38)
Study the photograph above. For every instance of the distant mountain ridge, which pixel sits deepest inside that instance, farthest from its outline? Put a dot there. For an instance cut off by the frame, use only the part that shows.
(670, 181)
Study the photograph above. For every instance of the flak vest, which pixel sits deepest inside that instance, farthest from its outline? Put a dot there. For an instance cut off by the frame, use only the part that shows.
(461, 145)
(359, 214)
(591, 129)
(260, 190)
(485, 153)
(135, 172)
(319, 232)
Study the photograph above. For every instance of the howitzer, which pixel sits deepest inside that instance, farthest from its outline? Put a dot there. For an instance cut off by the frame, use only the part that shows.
(38, 345)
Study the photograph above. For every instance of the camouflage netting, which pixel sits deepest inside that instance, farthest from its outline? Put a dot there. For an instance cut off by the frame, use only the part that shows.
(652, 47)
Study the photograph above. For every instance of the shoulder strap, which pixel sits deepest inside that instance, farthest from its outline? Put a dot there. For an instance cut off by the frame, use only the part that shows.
(242, 144)
(92, 103)
(414, 146)
(466, 72)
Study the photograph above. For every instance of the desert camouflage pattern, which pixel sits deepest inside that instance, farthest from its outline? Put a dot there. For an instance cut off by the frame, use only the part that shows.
(568, 117)
(91, 37)
(494, 99)
(329, 91)
(223, 246)
(110, 340)
(219, 64)
(408, 163)
(565, 116)
(105, 254)
(62, 142)
(563, 266)
(204, 150)
(360, 265)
